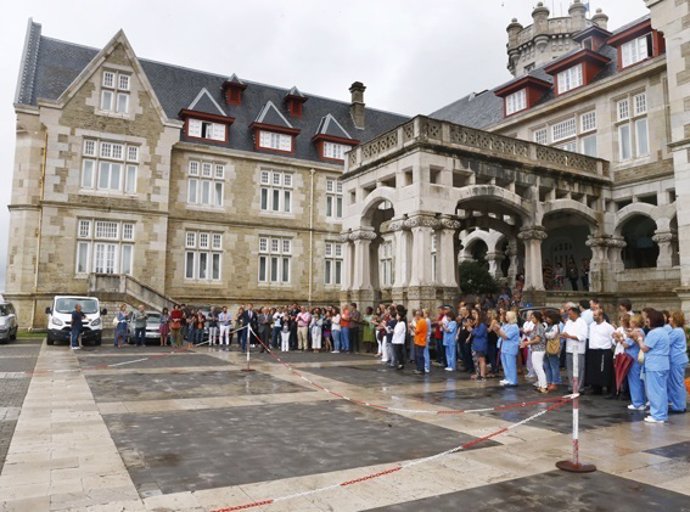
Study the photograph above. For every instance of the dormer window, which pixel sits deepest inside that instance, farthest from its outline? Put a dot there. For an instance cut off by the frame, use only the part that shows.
(516, 102)
(276, 141)
(522, 93)
(636, 50)
(332, 141)
(334, 150)
(569, 79)
(206, 130)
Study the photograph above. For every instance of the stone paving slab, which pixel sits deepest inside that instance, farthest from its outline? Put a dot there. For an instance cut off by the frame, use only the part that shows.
(134, 360)
(17, 364)
(144, 386)
(311, 357)
(382, 374)
(22, 350)
(187, 451)
(555, 490)
(679, 451)
(595, 412)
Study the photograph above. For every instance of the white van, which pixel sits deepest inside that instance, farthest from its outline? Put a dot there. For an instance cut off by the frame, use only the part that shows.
(60, 319)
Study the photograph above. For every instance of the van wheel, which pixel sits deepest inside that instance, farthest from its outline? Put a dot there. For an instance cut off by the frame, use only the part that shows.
(14, 336)
(97, 342)
(49, 340)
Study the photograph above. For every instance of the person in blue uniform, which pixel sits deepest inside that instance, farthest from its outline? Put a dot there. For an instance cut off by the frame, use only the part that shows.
(450, 332)
(631, 327)
(509, 333)
(678, 360)
(656, 366)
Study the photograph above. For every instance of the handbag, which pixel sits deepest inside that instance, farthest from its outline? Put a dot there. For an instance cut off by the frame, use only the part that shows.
(553, 347)
(115, 322)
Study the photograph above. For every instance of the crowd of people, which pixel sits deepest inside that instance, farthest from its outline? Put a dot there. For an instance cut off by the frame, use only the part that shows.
(642, 356)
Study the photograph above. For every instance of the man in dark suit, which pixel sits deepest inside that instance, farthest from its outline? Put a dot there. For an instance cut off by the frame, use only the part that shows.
(250, 318)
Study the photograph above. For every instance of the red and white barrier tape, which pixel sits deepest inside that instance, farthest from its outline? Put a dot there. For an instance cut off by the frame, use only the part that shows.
(393, 469)
(364, 403)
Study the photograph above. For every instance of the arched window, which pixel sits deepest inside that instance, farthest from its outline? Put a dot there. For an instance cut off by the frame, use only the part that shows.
(640, 250)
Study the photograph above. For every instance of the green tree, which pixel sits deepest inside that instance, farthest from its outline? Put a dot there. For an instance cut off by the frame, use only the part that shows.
(475, 279)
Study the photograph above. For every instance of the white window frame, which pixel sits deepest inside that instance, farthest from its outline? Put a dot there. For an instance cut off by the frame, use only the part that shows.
(334, 150)
(386, 264)
(275, 141)
(207, 130)
(106, 246)
(275, 260)
(115, 91)
(564, 129)
(275, 191)
(541, 136)
(204, 176)
(632, 127)
(334, 199)
(570, 78)
(333, 264)
(516, 102)
(203, 249)
(635, 51)
(100, 157)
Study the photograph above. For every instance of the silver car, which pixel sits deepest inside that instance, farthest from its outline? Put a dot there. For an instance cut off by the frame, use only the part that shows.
(153, 322)
(8, 322)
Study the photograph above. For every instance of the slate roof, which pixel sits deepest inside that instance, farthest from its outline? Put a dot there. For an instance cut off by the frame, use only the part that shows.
(269, 114)
(204, 102)
(49, 66)
(485, 109)
(329, 125)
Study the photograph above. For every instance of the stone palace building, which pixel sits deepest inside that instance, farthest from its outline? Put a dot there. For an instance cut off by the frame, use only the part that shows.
(140, 181)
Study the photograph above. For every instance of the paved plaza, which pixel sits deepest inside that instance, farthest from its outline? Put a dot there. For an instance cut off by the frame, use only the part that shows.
(151, 429)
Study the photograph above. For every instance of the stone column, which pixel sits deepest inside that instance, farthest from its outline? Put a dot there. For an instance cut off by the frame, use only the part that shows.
(362, 291)
(446, 252)
(664, 240)
(615, 256)
(534, 278)
(600, 275)
(401, 262)
(494, 259)
(421, 292)
(513, 268)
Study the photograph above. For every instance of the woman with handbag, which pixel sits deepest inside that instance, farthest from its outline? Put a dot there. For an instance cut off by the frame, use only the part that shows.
(121, 327)
(552, 358)
(176, 318)
(655, 347)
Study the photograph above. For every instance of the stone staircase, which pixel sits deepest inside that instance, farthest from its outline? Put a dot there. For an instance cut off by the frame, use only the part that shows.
(115, 289)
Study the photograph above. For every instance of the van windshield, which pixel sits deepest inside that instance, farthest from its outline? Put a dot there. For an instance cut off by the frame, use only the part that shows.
(66, 305)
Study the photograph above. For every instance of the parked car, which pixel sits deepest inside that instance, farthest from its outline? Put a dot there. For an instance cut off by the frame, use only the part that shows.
(153, 321)
(8, 322)
(60, 319)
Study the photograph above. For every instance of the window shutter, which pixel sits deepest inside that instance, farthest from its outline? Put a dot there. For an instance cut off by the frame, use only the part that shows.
(194, 128)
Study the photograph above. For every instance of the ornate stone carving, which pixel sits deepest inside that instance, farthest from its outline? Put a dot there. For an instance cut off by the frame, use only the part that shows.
(663, 237)
(396, 224)
(533, 233)
(598, 242)
(449, 223)
(362, 234)
(344, 237)
(422, 221)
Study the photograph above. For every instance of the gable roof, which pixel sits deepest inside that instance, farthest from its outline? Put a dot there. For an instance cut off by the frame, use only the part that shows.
(329, 125)
(270, 114)
(204, 102)
(51, 65)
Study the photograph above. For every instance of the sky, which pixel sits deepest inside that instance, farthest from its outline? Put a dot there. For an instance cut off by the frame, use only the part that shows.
(413, 60)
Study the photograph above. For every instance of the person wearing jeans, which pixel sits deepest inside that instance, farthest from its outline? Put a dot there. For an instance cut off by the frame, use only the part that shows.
(345, 330)
(552, 362)
(336, 331)
(140, 326)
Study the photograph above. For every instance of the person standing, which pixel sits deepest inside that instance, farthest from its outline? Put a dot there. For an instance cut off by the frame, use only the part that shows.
(600, 355)
(450, 331)
(199, 324)
(552, 354)
(284, 323)
(438, 339)
(367, 330)
(276, 340)
(316, 326)
(509, 333)
(121, 328)
(355, 327)
(678, 360)
(140, 326)
(241, 325)
(575, 336)
(464, 343)
(335, 331)
(212, 327)
(655, 346)
(537, 345)
(176, 319)
(225, 323)
(427, 355)
(264, 320)
(585, 274)
(345, 323)
(479, 337)
(164, 327)
(252, 322)
(77, 323)
(398, 339)
(303, 320)
(573, 274)
(421, 330)
(629, 330)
